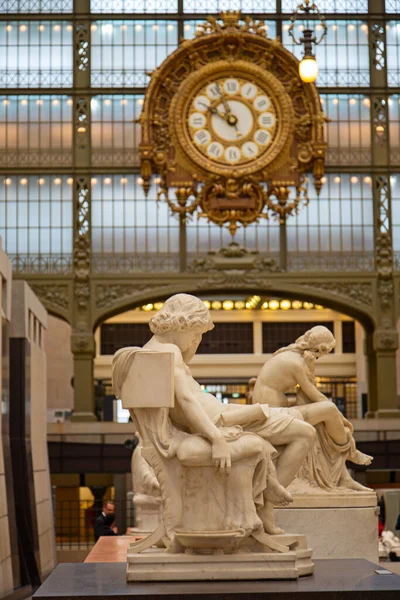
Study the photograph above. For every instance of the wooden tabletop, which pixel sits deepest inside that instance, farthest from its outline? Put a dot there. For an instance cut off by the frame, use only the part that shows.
(111, 548)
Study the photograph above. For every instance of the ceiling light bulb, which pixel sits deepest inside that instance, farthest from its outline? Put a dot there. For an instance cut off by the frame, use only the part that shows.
(308, 69)
(57, 181)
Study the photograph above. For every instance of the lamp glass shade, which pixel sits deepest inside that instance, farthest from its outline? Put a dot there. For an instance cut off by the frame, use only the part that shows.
(308, 69)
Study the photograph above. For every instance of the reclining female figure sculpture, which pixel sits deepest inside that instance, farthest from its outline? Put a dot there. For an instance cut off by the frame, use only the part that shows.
(294, 365)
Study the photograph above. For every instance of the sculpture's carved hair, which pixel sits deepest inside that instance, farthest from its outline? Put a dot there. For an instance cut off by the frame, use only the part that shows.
(317, 339)
(180, 313)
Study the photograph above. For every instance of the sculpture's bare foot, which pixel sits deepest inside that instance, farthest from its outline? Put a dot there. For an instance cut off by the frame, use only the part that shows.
(276, 493)
(266, 514)
(350, 484)
(359, 458)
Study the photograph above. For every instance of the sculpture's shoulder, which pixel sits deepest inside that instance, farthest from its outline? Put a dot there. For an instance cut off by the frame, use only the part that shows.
(289, 358)
(168, 347)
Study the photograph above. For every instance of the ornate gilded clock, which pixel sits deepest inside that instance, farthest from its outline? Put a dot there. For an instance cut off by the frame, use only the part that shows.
(229, 125)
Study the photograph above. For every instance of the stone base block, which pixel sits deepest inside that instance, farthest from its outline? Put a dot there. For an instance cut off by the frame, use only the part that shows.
(336, 532)
(158, 565)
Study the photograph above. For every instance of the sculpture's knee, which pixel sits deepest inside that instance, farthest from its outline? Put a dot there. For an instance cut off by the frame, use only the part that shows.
(309, 433)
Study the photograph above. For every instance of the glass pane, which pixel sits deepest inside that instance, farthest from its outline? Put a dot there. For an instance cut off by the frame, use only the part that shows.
(348, 133)
(212, 6)
(394, 129)
(131, 232)
(36, 222)
(36, 6)
(35, 130)
(36, 54)
(393, 52)
(335, 231)
(124, 51)
(331, 6)
(134, 6)
(115, 134)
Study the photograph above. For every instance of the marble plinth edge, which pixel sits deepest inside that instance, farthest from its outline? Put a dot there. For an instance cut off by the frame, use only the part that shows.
(329, 500)
(335, 532)
(158, 565)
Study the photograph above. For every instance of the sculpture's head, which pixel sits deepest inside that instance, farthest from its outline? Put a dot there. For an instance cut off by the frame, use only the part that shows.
(183, 320)
(318, 340)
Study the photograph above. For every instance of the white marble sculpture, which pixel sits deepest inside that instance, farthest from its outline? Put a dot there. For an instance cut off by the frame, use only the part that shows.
(325, 465)
(146, 492)
(214, 462)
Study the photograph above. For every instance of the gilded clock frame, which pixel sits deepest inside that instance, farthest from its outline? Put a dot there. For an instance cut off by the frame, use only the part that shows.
(187, 152)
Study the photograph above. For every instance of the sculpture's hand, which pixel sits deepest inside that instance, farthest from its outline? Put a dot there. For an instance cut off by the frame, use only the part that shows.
(221, 456)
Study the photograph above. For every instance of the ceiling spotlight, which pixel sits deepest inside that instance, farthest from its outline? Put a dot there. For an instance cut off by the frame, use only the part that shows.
(57, 181)
(41, 181)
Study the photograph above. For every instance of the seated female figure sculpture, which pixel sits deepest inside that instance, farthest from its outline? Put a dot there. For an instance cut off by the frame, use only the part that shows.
(294, 365)
(221, 431)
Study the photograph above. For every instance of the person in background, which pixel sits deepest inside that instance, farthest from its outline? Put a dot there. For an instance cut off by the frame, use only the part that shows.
(105, 522)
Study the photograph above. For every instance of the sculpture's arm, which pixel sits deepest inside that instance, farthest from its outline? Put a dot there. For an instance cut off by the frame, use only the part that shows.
(308, 388)
(197, 417)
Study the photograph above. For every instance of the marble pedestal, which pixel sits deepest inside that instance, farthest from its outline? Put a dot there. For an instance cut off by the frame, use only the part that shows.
(336, 526)
(147, 512)
(157, 564)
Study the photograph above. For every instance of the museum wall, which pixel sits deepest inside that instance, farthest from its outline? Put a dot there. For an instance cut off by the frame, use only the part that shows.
(6, 574)
(29, 435)
(57, 343)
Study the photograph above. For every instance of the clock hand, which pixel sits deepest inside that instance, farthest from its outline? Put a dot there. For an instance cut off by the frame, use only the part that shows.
(214, 111)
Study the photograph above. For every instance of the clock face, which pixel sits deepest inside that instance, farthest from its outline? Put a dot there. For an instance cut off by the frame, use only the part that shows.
(232, 121)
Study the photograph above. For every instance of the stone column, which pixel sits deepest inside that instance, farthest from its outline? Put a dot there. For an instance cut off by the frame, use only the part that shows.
(6, 566)
(28, 420)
